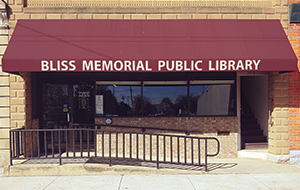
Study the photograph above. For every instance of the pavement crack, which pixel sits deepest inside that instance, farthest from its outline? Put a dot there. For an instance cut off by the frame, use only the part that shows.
(258, 181)
(191, 182)
(50, 183)
(120, 182)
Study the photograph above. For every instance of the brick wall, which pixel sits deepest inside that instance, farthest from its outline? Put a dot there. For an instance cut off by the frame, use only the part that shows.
(279, 119)
(294, 102)
(203, 127)
(4, 97)
(18, 104)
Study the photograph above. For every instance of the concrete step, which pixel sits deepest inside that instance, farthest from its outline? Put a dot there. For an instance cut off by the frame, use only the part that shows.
(254, 154)
(254, 139)
(250, 127)
(256, 146)
(252, 132)
(249, 121)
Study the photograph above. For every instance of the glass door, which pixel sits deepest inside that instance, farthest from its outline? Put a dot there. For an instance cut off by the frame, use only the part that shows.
(56, 106)
(65, 105)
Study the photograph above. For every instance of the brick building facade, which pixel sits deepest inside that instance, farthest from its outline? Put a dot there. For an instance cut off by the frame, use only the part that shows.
(282, 99)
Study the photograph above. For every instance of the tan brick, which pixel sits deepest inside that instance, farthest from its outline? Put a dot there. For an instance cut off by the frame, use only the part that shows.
(53, 16)
(12, 17)
(277, 2)
(285, 24)
(184, 16)
(229, 16)
(275, 150)
(280, 143)
(115, 16)
(20, 79)
(21, 109)
(17, 116)
(230, 10)
(85, 16)
(56, 10)
(277, 136)
(4, 143)
(277, 122)
(22, 16)
(16, 8)
(283, 10)
(284, 17)
(17, 101)
(199, 16)
(127, 16)
(11, 2)
(34, 10)
(100, 16)
(276, 16)
(208, 10)
(214, 16)
(12, 24)
(21, 124)
(252, 10)
(19, 2)
(154, 16)
(285, 136)
(4, 91)
(13, 109)
(4, 101)
(268, 10)
(258, 16)
(244, 16)
(148, 10)
(2, 49)
(138, 16)
(4, 112)
(282, 129)
(168, 16)
(17, 86)
(282, 114)
(4, 81)
(38, 16)
(69, 16)
(21, 94)
(13, 124)
(285, 151)
(285, 122)
(4, 133)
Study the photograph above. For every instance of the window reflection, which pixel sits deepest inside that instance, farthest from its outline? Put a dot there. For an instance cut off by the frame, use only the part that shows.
(162, 99)
(120, 100)
(212, 99)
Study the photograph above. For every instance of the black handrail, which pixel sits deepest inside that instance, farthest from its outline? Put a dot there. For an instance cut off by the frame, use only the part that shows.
(111, 145)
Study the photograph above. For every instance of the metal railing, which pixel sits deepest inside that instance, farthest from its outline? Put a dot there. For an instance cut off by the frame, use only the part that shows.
(111, 145)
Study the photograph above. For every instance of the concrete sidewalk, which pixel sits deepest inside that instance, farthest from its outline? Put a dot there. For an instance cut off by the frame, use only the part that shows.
(223, 174)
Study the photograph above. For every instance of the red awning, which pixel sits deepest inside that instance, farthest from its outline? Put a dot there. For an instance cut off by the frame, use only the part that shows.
(148, 46)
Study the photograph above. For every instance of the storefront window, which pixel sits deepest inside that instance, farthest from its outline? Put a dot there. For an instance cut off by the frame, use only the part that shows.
(216, 99)
(165, 98)
(119, 100)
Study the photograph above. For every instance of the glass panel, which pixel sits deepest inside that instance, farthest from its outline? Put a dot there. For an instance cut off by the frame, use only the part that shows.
(165, 100)
(55, 99)
(120, 100)
(212, 99)
(83, 103)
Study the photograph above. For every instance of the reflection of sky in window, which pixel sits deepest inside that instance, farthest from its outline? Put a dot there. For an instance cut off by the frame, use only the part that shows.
(122, 93)
(197, 90)
(157, 93)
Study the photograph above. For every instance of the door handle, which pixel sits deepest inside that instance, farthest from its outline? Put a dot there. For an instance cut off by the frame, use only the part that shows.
(68, 117)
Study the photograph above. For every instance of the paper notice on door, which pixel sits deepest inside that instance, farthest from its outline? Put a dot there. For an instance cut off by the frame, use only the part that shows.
(99, 104)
